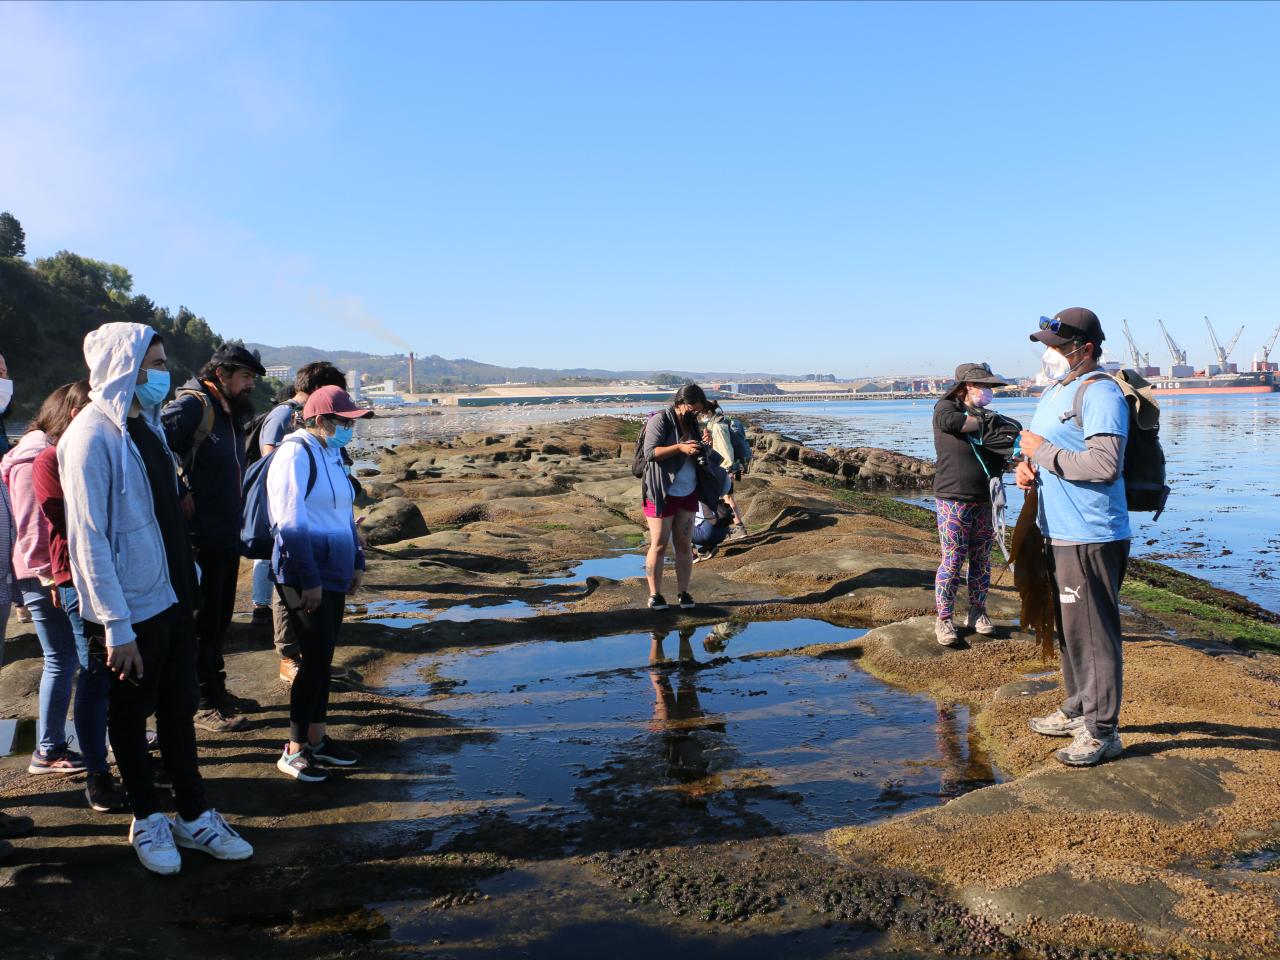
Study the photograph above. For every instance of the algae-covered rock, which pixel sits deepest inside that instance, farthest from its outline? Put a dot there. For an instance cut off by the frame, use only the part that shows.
(393, 520)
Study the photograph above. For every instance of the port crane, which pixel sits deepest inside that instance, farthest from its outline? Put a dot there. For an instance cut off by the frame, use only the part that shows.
(1140, 360)
(1217, 347)
(1266, 347)
(1176, 353)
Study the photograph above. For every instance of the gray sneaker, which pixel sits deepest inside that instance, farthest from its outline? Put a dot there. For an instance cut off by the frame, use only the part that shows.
(981, 623)
(1086, 750)
(945, 632)
(1057, 724)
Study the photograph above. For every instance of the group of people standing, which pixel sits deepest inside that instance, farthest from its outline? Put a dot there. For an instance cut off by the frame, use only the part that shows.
(1073, 454)
(121, 519)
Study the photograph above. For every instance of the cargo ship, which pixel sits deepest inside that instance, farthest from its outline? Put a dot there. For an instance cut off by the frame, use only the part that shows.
(1260, 381)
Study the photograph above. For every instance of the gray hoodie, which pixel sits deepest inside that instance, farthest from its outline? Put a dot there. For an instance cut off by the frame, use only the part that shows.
(118, 560)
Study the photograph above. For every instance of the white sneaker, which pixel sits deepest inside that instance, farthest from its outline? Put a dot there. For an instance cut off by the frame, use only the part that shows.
(210, 833)
(981, 623)
(153, 839)
(944, 631)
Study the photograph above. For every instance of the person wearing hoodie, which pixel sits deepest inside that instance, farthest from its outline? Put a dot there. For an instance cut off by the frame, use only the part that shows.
(316, 561)
(205, 426)
(93, 685)
(133, 572)
(33, 570)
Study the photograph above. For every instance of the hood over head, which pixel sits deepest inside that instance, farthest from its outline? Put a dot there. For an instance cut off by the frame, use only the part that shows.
(29, 446)
(114, 354)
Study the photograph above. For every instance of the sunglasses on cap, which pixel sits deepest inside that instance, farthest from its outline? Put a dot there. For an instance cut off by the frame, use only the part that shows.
(1057, 327)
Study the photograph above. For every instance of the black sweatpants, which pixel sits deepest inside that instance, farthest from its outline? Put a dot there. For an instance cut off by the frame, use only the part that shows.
(218, 572)
(167, 689)
(1087, 578)
(316, 635)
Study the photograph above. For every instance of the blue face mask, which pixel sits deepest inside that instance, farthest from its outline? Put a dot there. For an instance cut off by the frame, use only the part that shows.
(152, 392)
(342, 434)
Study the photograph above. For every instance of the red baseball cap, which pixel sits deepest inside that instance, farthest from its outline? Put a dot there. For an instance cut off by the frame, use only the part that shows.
(333, 400)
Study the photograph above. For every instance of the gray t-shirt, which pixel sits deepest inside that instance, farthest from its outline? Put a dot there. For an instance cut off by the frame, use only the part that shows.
(277, 425)
(686, 480)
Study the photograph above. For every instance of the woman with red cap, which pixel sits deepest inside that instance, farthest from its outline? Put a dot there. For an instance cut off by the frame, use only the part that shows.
(317, 560)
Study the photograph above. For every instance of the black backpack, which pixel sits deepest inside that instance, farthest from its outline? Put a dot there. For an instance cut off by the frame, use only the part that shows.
(1145, 490)
(638, 462)
(996, 442)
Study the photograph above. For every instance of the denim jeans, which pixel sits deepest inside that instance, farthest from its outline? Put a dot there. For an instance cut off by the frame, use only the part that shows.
(262, 587)
(58, 643)
(93, 689)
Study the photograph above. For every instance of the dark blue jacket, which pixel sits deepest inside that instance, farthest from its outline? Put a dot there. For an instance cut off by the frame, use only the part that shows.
(217, 470)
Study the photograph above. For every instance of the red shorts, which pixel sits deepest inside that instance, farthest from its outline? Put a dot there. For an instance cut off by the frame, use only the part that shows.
(672, 506)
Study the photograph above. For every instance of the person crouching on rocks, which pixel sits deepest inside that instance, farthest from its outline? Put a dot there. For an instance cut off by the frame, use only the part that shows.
(963, 498)
(317, 560)
(670, 489)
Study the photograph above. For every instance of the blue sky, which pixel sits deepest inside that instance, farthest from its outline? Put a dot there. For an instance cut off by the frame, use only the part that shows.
(854, 189)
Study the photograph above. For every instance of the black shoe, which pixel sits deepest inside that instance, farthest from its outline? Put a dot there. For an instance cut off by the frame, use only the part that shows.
(330, 751)
(656, 602)
(103, 794)
(261, 616)
(300, 766)
(232, 706)
(7, 850)
(15, 826)
(686, 601)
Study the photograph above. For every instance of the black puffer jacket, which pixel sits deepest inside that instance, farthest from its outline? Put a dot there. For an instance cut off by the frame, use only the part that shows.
(217, 470)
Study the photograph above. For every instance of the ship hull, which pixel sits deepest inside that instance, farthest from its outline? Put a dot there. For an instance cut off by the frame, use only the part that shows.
(1165, 392)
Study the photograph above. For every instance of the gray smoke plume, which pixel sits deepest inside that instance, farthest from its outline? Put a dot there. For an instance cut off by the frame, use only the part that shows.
(351, 312)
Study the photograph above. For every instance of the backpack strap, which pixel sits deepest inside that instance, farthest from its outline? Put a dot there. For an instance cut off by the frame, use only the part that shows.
(203, 428)
(1076, 412)
(311, 462)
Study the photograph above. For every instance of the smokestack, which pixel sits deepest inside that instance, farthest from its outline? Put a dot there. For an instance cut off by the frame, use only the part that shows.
(411, 390)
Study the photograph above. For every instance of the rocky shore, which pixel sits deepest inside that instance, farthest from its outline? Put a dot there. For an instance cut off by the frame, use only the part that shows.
(479, 543)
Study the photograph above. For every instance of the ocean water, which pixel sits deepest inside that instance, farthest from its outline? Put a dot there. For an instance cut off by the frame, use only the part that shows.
(1222, 521)
(1223, 452)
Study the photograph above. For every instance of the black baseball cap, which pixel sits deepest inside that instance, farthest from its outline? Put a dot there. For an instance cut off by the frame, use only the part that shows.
(979, 374)
(1073, 323)
(234, 355)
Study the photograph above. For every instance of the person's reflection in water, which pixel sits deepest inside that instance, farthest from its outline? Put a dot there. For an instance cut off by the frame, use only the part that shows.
(717, 639)
(676, 712)
(964, 766)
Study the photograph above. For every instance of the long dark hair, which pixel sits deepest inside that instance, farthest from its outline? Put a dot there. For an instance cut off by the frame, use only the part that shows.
(59, 408)
(693, 395)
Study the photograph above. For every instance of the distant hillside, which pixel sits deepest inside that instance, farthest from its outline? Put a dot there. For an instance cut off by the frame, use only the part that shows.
(47, 307)
(438, 370)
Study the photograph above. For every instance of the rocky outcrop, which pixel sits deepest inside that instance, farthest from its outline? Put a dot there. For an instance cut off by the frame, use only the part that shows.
(393, 520)
(861, 467)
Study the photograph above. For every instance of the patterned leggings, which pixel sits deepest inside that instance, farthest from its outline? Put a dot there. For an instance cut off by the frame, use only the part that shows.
(967, 532)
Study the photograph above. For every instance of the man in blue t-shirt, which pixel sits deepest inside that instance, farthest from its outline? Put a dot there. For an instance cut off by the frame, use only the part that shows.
(1083, 515)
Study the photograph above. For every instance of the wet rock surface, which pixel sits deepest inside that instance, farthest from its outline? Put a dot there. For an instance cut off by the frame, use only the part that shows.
(672, 803)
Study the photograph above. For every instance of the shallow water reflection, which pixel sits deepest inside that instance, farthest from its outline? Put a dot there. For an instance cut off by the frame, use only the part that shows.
(729, 722)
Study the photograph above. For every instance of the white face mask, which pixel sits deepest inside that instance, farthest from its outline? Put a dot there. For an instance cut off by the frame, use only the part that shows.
(6, 394)
(1054, 366)
(979, 396)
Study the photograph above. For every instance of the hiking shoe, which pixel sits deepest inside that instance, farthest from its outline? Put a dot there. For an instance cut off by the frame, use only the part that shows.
(23, 614)
(700, 555)
(11, 826)
(300, 766)
(103, 794)
(1057, 724)
(685, 601)
(737, 532)
(153, 839)
(980, 622)
(656, 602)
(59, 761)
(213, 835)
(1087, 750)
(341, 674)
(261, 616)
(215, 721)
(288, 670)
(330, 751)
(944, 631)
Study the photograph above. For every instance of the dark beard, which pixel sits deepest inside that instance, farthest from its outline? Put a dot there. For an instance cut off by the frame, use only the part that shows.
(242, 408)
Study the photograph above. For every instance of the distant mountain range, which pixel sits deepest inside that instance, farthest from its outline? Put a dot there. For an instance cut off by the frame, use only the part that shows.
(438, 370)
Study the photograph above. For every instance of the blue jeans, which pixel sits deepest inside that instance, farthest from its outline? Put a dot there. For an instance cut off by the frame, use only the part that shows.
(93, 689)
(262, 589)
(58, 642)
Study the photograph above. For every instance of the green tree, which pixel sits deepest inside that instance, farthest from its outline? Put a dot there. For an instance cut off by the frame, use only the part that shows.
(13, 239)
(95, 281)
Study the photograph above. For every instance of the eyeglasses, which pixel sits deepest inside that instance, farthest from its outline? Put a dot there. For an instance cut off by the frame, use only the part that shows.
(1054, 325)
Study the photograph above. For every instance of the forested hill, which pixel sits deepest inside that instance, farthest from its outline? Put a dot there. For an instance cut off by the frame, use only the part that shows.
(47, 307)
